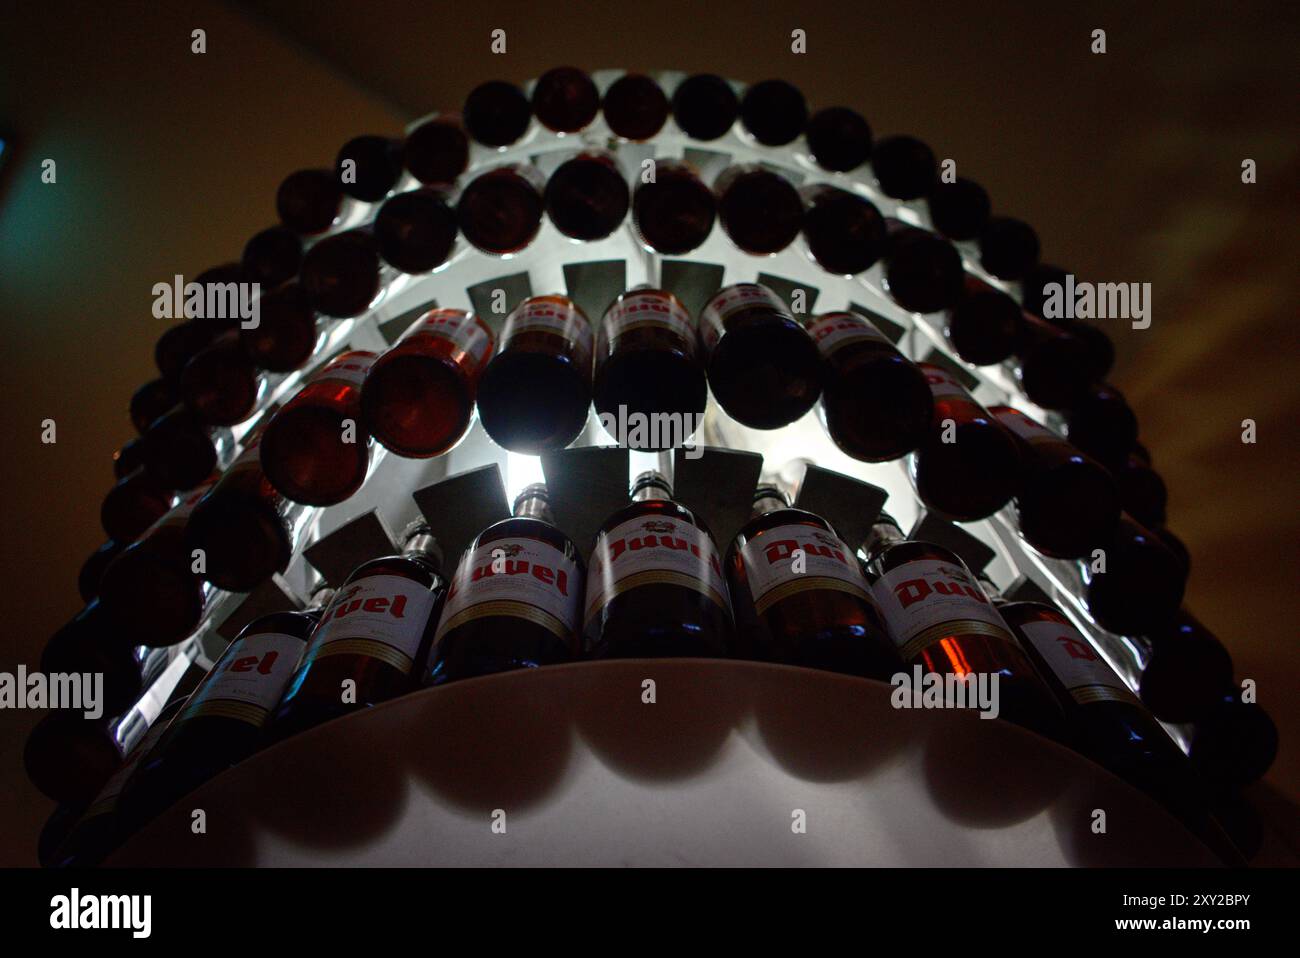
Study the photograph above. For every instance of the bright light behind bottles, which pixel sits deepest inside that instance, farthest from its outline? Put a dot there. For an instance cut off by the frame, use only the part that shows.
(521, 471)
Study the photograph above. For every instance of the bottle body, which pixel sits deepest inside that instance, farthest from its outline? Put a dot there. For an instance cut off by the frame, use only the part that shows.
(758, 209)
(340, 274)
(220, 384)
(500, 211)
(674, 213)
(587, 196)
(1136, 586)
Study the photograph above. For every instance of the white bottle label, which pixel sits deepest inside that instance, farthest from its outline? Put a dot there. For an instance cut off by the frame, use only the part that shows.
(349, 368)
(518, 577)
(464, 330)
(943, 384)
(382, 616)
(1076, 663)
(775, 572)
(727, 302)
(248, 680)
(831, 331)
(565, 320)
(927, 600)
(645, 309)
(654, 550)
(1024, 427)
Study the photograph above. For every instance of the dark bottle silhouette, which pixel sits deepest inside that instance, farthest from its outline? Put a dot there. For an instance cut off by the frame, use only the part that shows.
(315, 449)
(369, 166)
(1101, 423)
(656, 587)
(128, 458)
(1056, 367)
(1142, 585)
(1066, 503)
(648, 364)
(285, 336)
(705, 106)
(153, 399)
(1188, 670)
(959, 210)
(923, 272)
(182, 342)
(341, 273)
(150, 592)
(773, 112)
(374, 636)
(984, 326)
(635, 107)
(759, 210)
(876, 404)
(69, 758)
(437, 151)
(587, 197)
(565, 99)
(500, 211)
(674, 213)
(224, 721)
(1106, 721)
(309, 201)
(220, 383)
(135, 502)
(845, 233)
(272, 257)
(92, 570)
(88, 643)
(180, 451)
(1142, 491)
(496, 113)
(1008, 247)
(904, 167)
(975, 472)
(839, 139)
(941, 620)
(1034, 288)
(799, 594)
(242, 524)
(536, 389)
(416, 230)
(1234, 743)
(418, 398)
(515, 601)
(764, 368)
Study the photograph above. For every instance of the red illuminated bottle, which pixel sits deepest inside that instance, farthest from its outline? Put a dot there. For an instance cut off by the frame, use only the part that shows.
(369, 166)
(315, 449)
(416, 230)
(674, 212)
(1066, 502)
(223, 722)
(984, 325)
(839, 139)
(773, 112)
(500, 211)
(968, 466)
(764, 368)
(242, 524)
(587, 196)
(92, 570)
(497, 113)
(309, 201)
(656, 587)
(135, 502)
(341, 273)
(150, 401)
(759, 209)
(1106, 721)
(800, 596)
(272, 257)
(904, 167)
(515, 601)
(1141, 586)
(876, 404)
(923, 271)
(1008, 247)
(705, 106)
(1101, 423)
(285, 335)
(180, 451)
(418, 398)
(941, 620)
(220, 384)
(1055, 366)
(536, 389)
(960, 209)
(635, 107)
(371, 641)
(648, 364)
(565, 99)
(1188, 670)
(150, 592)
(845, 233)
(437, 151)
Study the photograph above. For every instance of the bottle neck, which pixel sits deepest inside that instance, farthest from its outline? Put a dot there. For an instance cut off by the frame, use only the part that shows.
(533, 507)
(883, 535)
(651, 485)
(422, 545)
(769, 499)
